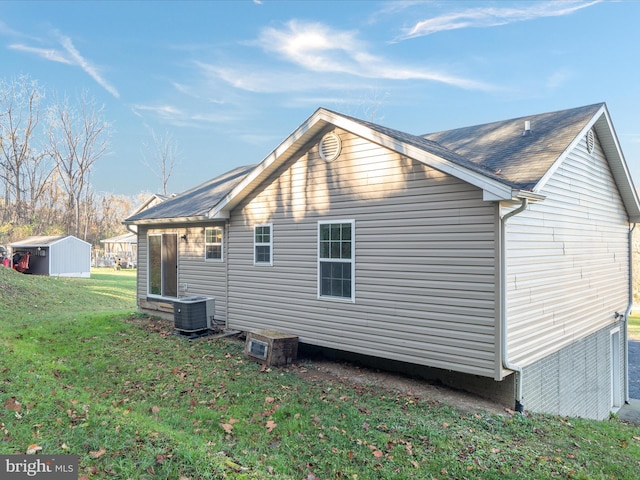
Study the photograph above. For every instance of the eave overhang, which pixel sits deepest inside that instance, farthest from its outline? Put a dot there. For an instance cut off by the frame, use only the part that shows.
(164, 221)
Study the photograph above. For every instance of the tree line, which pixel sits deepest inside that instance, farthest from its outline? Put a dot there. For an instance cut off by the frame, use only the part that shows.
(48, 148)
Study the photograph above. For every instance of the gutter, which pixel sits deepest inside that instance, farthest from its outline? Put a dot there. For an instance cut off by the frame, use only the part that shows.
(626, 317)
(506, 363)
(168, 220)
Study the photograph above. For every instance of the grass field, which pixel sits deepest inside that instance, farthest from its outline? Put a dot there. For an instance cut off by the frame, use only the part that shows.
(81, 373)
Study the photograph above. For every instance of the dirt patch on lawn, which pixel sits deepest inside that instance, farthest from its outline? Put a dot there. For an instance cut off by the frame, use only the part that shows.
(321, 370)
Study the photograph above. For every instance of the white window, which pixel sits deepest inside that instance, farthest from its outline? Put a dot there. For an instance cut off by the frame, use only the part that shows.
(336, 255)
(263, 244)
(213, 243)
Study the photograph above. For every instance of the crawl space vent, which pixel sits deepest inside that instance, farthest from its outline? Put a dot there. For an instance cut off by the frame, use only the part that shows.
(590, 141)
(329, 147)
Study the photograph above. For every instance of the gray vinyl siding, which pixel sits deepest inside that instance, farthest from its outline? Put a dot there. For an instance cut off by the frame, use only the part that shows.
(196, 276)
(567, 259)
(200, 276)
(143, 251)
(424, 259)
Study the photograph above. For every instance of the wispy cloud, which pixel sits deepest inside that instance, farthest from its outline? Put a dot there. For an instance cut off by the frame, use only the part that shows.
(88, 68)
(46, 53)
(163, 111)
(180, 116)
(493, 16)
(68, 54)
(559, 79)
(6, 30)
(318, 48)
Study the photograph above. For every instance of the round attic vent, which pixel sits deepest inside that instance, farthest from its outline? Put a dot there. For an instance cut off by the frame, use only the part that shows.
(590, 141)
(330, 147)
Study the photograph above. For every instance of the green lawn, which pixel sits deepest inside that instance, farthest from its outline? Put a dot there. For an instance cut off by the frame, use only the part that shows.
(81, 373)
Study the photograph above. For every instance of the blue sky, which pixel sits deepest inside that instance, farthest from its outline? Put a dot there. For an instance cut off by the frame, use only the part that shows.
(229, 80)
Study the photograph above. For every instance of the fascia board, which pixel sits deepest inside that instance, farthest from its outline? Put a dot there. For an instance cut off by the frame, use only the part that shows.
(160, 221)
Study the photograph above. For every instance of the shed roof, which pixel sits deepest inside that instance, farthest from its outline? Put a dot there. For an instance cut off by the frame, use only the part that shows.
(44, 241)
(124, 238)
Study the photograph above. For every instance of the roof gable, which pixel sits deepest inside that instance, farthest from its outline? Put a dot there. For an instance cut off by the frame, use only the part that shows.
(413, 146)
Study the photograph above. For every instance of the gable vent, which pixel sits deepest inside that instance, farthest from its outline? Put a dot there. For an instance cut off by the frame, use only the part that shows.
(330, 147)
(590, 141)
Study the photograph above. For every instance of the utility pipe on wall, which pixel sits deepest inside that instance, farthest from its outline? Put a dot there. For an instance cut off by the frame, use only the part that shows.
(519, 407)
(626, 317)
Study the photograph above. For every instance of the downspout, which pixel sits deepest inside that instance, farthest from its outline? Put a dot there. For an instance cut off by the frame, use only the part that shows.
(519, 407)
(626, 316)
(227, 238)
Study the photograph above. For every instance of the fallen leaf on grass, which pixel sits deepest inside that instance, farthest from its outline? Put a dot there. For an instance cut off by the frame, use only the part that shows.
(12, 404)
(33, 449)
(97, 454)
(377, 453)
(228, 427)
(271, 425)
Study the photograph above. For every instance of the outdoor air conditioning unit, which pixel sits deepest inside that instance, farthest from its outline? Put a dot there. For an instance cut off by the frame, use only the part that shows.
(271, 347)
(193, 314)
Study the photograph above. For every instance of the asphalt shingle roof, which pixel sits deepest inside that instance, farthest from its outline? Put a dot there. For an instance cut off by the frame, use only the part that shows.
(197, 201)
(501, 147)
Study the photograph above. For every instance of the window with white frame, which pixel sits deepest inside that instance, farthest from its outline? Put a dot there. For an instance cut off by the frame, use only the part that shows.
(263, 244)
(336, 267)
(213, 243)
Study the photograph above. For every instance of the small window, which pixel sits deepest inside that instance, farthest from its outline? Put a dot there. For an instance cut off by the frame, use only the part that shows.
(213, 243)
(263, 245)
(336, 265)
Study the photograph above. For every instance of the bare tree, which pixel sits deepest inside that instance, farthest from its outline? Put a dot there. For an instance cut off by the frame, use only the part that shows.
(23, 170)
(163, 153)
(78, 138)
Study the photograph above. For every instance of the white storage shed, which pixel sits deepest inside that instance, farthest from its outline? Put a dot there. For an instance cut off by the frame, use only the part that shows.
(56, 256)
